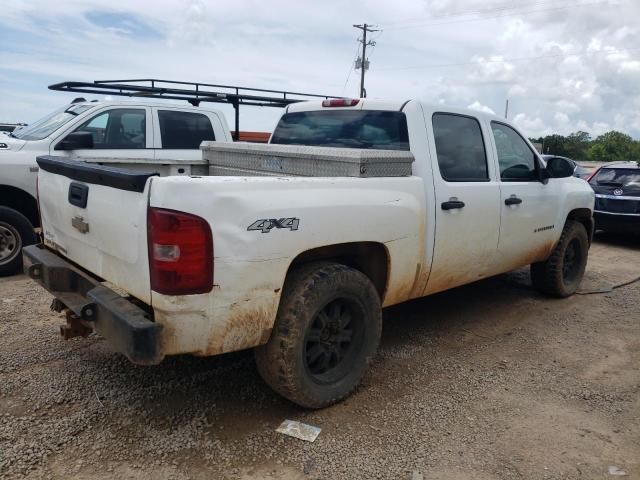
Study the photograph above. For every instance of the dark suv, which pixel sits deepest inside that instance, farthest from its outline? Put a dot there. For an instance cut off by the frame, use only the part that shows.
(617, 188)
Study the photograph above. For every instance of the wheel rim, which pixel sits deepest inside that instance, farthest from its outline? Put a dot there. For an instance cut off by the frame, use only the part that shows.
(333, 340)
(571, 261)
(10, 243)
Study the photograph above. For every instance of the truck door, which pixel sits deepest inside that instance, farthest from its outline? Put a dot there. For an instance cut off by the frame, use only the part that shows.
(467, 199)
(529, 207)
(118, 134)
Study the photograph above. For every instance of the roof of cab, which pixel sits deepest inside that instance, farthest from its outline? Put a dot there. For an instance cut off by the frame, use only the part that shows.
(390, 105)
(363, 104)
(144, 103)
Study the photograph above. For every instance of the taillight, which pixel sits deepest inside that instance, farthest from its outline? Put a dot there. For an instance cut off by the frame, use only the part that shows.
(180, 252)
(340, 102)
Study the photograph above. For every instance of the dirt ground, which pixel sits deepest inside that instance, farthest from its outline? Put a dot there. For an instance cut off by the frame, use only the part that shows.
(487, 381)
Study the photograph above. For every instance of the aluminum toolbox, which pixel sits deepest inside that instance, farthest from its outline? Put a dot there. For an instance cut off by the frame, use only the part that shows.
(250, 159)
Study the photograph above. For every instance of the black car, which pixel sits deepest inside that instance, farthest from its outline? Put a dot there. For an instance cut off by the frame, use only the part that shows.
(617, 188)
(578, 171)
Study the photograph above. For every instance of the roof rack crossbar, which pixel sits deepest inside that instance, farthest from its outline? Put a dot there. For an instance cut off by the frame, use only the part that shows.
(170, 90)
(199, 84)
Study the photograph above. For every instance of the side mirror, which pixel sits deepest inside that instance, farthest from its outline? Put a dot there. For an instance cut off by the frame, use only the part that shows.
(76, 141)
(560, 167)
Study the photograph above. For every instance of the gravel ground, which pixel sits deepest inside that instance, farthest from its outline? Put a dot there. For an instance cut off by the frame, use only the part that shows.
(487, 381)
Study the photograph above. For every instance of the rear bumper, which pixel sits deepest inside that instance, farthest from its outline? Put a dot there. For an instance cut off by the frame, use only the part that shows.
(126, 326)
(617, 222)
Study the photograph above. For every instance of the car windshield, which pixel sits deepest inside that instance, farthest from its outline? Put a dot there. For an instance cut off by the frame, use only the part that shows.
(344, 128)
(49, 124)
(618, 177)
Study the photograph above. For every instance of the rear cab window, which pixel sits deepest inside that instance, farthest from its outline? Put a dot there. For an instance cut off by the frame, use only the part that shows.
(184, 130)
(617, 177)
(374, 129)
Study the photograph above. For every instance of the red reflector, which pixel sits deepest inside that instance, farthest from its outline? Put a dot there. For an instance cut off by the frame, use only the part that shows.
(340, 102)
(592, 174)
(180, 252)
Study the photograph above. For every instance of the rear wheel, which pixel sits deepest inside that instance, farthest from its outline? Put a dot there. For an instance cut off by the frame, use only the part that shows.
(15, 232)
(327, 330)
(560, 275)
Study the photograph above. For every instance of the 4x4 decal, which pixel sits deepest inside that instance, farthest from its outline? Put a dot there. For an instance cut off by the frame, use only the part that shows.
(265, 225)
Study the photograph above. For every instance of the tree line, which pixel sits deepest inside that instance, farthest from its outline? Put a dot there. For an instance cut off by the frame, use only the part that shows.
(608, 147)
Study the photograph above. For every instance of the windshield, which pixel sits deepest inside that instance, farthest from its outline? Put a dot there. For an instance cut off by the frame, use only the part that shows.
(344, 128)
(49, 124)
(618, 177)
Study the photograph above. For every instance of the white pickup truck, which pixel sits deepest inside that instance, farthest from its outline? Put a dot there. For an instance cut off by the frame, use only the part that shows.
(300, 266)
(127, 133)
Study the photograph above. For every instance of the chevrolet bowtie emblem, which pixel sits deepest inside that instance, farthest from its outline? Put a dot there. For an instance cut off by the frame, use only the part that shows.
(79, 224)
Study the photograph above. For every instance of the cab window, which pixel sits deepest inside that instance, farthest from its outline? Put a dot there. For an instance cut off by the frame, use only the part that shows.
(364, 129)
(184, 129)
(117, 129)
(460, 148)
(517, 161)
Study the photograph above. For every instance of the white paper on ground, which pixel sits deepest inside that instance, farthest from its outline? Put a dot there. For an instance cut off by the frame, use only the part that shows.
(299, 430)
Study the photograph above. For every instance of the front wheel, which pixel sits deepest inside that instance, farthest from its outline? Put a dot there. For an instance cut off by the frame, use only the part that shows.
(560, 275)
(15, 232)
(326, 332)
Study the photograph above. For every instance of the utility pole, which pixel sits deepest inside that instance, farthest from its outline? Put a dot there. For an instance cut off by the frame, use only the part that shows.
(506, 109)
(363, 63)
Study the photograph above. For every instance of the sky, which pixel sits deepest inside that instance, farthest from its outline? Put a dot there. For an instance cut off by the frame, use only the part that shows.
(564, 65)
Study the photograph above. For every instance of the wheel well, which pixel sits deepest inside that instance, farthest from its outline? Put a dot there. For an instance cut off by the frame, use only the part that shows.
(370, 258)
(20, 201)
(585, 217)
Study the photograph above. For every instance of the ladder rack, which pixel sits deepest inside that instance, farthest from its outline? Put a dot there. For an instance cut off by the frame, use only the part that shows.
(192, 92)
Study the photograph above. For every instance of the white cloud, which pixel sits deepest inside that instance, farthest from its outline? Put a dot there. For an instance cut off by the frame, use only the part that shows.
(517, 91)
(480, 108)
(561, 119)
(531, 126)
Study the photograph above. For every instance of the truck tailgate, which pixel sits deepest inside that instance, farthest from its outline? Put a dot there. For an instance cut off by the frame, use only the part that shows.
(96, 216)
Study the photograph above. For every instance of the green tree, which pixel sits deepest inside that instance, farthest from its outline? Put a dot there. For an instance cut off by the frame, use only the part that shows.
(554, 145)
(577, 144)
(613, 146)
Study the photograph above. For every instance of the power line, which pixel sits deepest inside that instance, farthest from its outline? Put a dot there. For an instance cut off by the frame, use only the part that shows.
(375, 44)
(513, 59)
(423, 24)
(364, 63)
(355, 55)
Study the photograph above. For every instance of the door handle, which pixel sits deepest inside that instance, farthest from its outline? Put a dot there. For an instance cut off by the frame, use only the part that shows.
(513, 200)
(452, 204)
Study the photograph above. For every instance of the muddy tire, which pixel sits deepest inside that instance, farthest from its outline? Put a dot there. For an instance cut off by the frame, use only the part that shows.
(15, 232)
(560, 275)
(326, 332)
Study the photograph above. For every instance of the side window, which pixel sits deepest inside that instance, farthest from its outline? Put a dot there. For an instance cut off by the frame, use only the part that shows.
(184, 129)
(516, 159)
(118, 128)
(460, 147)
